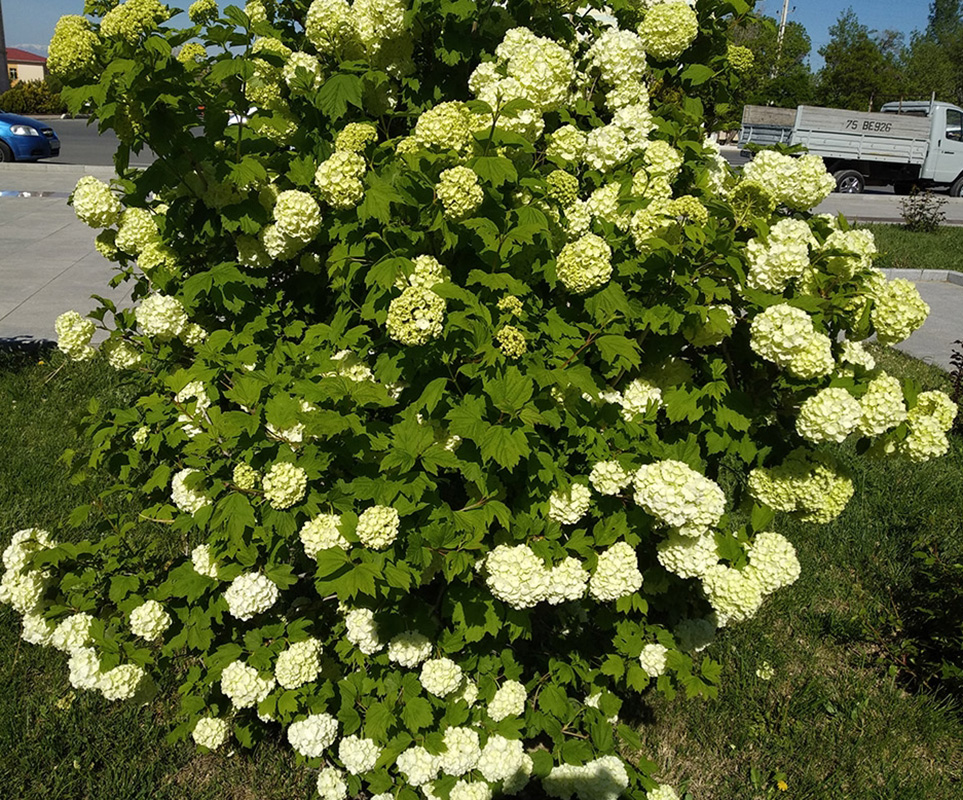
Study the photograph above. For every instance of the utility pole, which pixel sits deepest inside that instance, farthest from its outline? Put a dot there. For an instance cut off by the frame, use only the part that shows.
(782, 30)
(4, 72)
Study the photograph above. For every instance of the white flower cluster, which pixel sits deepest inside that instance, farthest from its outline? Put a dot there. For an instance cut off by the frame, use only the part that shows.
(782, 257)
(859, 248)
(284, 484)
(772, 562)
(161, 317)
(653, 659)
(299, 664)
(585, 264)
(409, 648)
(427, 273)
(313, 735)
(898, 310)
(296, 62)
(72, 633)
(297, 215)
(517, 576)
(187, 499)
(459, 192)
(667, 30)
(806, 482)
(855, 354)
(929, 421)
(617, 574)
(639, 398)
(378, 526)
(509, 701)
(243, 685)
(339, 179)
(505, 760)
(149, 620)
(356, 136)
(191, 415)
(94, 203)
(358, 755)
(679, 497)
(830, 415)
(137, 229)
(688, 556)
(604, 778)
(73, 336)
(446, 126)
(121, 683)
(662, 792)
(362, 630)
(882, 407)
(734, 594)
(440, 676)
(461, 753)
(321, 533)
(608, 477)
(417, 765)
(567, 508)
(121, 355)
(786, 336)
(203, 562)
(416, 317)
(627, 134)
(211, 732)
(22, 587)
(799, 183)
(249, 594)
(566, 144)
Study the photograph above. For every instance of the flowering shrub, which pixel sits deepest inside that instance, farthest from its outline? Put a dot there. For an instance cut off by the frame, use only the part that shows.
(449, 318)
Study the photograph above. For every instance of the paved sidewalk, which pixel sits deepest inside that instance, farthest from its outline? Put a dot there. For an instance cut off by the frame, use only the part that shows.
(48, 263)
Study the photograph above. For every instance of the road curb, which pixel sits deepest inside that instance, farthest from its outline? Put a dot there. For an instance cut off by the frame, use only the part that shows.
(928, 275)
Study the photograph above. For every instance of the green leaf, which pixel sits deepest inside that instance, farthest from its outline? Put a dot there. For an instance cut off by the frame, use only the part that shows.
(495, 170)
(416, 714)
(511, 391)
(619, 351)
(339, 90)
(506, 447)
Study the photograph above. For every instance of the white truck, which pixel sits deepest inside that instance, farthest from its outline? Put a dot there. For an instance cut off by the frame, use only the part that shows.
(906, 144)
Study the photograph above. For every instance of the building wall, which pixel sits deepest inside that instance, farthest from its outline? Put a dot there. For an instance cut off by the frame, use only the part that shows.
(25, 72)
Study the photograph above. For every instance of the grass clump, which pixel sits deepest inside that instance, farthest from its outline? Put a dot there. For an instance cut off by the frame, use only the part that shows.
(901, 248)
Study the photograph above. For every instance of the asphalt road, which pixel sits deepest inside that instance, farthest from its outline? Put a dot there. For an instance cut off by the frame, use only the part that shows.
(80, 143)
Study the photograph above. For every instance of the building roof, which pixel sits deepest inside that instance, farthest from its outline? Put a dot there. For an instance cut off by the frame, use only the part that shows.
(17, 56)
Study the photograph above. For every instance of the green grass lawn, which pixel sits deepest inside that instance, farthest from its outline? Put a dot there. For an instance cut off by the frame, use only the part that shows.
(903, 249)
(842, 716)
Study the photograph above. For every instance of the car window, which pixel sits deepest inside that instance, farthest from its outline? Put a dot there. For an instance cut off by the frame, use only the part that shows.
(954, 125)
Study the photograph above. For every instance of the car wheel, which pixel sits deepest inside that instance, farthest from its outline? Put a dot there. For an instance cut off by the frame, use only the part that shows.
(956, 190)
(6, 154)
(849, 181)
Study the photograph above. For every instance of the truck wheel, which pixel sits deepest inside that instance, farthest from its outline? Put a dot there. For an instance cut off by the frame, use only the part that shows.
(6, 154)
(956, 189)
(849, 181)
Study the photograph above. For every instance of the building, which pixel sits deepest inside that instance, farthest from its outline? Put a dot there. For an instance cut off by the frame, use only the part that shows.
(22, 65)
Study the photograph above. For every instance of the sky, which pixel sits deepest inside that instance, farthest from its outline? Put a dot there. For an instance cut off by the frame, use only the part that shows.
(31, 22)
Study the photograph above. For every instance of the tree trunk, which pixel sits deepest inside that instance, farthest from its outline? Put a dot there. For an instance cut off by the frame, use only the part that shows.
(4, 72)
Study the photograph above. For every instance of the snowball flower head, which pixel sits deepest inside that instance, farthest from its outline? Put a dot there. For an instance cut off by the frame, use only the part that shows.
(149, 620)
(882, 407)
(461, 751)
(378, 526)
(509, 701)
(358, 755)
(339, 179)
(567, 508)
(517, 576)
(211, 732)
(137, 229)
(688, 556)
(653, 659)
(203, 562)
(409, 648)
(73, 47)
(828, 416)
(249, 594)
(679, 497)
(585, 264)
(459, 192)
(898, 310)
(312, 736)
(668, 29)
(566, 581)
(617, 574)
(94, 203)
(417, 765)
(362, 630)
(161, 317)
(447, 126)
(187, 499)
(639, 398)
(284, 484)
(73, 336)
(662, 792)
(299, 664)
(608, 477)
(321, 533)
(297, 215)
(121, 683)
(72, 633)
(773, 562)
(440, 676)
(416, 317)
(735, 594)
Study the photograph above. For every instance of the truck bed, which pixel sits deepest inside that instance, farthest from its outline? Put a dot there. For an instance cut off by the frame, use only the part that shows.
(862, 136)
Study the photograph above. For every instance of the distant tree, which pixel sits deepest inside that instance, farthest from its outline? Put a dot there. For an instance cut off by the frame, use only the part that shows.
(861, 70)
(927, 69)
(946, 22)
(786, 81)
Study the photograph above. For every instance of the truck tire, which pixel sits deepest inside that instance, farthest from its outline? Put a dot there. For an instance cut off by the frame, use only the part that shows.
(849, 181)
(6, 154)
(956, 188)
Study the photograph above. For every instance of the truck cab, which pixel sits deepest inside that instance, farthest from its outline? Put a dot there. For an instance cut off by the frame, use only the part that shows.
(943, 164)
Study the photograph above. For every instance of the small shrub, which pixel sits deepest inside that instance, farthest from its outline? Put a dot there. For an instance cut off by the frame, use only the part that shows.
(922, 211)
(32, 97)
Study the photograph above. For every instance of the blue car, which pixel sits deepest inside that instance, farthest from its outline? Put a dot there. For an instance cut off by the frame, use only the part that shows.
(25, 139)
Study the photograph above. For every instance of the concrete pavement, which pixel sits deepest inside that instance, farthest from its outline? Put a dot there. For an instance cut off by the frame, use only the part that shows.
(48, 263)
